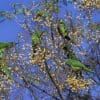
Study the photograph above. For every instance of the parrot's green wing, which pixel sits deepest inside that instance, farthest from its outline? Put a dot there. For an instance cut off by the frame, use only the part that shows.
(5, 45)
(75, 64)
(75, 68)
(63, 28)
(87, 69)
(36, 38)
(1, 54)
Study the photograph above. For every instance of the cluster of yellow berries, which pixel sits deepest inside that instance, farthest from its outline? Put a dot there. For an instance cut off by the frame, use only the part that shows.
(76, 84)
(39, 57)
(91, 3)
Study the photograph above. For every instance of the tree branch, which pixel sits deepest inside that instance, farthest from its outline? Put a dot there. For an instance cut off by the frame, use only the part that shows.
(48, 72)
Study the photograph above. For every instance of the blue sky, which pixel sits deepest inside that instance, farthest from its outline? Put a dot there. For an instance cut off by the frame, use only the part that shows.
(9, 29)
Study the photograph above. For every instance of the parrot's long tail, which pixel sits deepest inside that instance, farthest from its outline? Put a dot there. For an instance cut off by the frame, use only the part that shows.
(88, 70)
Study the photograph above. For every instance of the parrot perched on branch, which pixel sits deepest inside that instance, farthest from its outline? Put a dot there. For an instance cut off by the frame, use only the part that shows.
(36, 39)
(3, 67)
(62, 29)
(76, 65)
(5, 46)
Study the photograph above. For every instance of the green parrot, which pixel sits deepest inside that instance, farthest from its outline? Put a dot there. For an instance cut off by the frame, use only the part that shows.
(76, 65)
(36, 39)
(1, 53)
(62, 29)
(6, 45)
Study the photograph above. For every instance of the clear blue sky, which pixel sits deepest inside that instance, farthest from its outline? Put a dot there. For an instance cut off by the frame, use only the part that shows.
(9, 29)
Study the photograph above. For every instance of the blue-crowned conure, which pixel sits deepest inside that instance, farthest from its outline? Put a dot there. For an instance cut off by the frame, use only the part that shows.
(76, 65)
(62, 29)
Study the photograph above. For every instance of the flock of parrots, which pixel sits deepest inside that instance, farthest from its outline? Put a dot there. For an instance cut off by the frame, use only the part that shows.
(71, 61)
